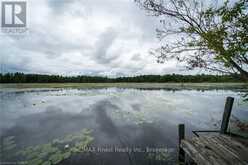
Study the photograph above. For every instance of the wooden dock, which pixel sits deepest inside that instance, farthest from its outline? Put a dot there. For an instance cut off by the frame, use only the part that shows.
(213, 147)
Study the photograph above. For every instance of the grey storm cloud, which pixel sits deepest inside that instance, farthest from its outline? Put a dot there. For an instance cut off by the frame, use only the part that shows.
(96, 37)
(136, 57)
(50, 45)
(104, 43)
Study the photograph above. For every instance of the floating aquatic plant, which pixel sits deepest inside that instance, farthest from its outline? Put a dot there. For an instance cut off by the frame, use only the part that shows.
(159, 156)
(7, 146)
(55, 151)
(46, 163)
(8, 143)
(56, 158)
(136, 117)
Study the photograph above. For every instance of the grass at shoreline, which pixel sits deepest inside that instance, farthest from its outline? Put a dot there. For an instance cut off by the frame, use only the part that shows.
(128, 85)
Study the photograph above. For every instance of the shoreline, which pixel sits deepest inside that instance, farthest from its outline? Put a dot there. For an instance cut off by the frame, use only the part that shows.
(203, 86)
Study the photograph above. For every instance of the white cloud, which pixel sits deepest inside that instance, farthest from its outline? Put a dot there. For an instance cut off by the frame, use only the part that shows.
(85, 37)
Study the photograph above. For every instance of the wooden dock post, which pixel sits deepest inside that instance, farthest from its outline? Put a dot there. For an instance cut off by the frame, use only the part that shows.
(181, 135)
(212, 148)
(226, 114)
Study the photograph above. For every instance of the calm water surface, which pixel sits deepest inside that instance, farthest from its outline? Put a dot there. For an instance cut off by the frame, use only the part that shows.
(106, 126)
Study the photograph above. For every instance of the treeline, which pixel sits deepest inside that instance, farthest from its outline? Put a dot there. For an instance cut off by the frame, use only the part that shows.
(38, 78)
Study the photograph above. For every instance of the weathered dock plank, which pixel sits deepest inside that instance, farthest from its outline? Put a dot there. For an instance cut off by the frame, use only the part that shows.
(220, 148)
(216, 150)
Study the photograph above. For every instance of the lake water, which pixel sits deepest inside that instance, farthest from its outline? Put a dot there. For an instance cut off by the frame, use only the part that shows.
(107, 126)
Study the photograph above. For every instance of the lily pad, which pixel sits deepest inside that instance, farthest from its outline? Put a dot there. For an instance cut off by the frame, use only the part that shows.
(56, 158)
(46, 163)
(35, 161)
(55, 151)
(66, 155)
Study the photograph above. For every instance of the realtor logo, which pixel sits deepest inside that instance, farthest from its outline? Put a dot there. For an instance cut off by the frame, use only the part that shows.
(14, 14)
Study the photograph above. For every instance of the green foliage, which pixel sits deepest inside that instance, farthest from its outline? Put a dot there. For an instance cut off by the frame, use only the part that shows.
(212, 37)
(35, 78)
(228, 38)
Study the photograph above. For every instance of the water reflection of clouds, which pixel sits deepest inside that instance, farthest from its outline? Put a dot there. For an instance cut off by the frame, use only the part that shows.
(122, 117)
(180, 106)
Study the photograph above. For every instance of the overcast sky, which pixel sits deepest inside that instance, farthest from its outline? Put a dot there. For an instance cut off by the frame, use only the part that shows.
(91, 37)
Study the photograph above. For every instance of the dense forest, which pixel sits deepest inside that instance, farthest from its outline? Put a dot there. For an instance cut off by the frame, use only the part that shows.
(38, 78)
